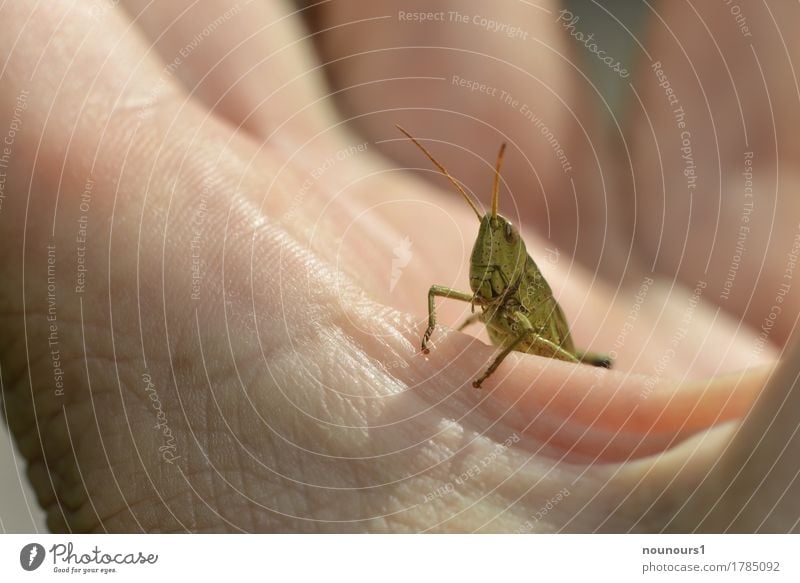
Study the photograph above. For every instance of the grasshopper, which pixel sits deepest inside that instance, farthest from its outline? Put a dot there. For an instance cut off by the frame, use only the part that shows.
(517, 305)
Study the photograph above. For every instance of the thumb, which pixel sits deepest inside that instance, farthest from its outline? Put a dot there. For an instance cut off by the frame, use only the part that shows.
(96, 131)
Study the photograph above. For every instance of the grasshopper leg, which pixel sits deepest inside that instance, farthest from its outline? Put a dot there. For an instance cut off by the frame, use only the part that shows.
(500, 357)
(443, 292)
(594, 358)
(528, 331)
(469, 321)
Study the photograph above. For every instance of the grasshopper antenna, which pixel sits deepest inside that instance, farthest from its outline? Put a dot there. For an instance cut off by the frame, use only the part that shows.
(443, 171)
(496, 187)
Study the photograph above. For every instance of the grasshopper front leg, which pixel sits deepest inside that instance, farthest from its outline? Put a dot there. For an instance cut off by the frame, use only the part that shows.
(443, 292)
(528, 331)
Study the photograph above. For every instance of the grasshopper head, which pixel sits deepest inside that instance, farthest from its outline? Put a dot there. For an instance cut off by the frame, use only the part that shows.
(498, 257)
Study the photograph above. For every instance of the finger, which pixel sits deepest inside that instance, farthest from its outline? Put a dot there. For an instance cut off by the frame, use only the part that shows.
(591, 415)
(468, 77)
(715, 157)
(242, 61)
(238, 59)
(754, 486)
(95, 146)
(721, 71)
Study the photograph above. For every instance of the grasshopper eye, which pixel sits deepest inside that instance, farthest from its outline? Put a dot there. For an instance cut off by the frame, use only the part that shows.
(511, 236)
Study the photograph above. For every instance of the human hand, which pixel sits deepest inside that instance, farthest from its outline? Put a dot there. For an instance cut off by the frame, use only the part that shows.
(277, 384)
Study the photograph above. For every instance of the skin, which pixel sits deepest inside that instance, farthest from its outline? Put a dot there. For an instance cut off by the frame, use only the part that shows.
(292, 388)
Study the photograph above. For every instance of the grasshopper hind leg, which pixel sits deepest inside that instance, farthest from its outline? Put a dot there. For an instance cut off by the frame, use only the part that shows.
(528, 333)
(594, 359)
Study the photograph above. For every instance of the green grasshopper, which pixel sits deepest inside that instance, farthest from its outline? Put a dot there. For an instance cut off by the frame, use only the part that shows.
(518, 307)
